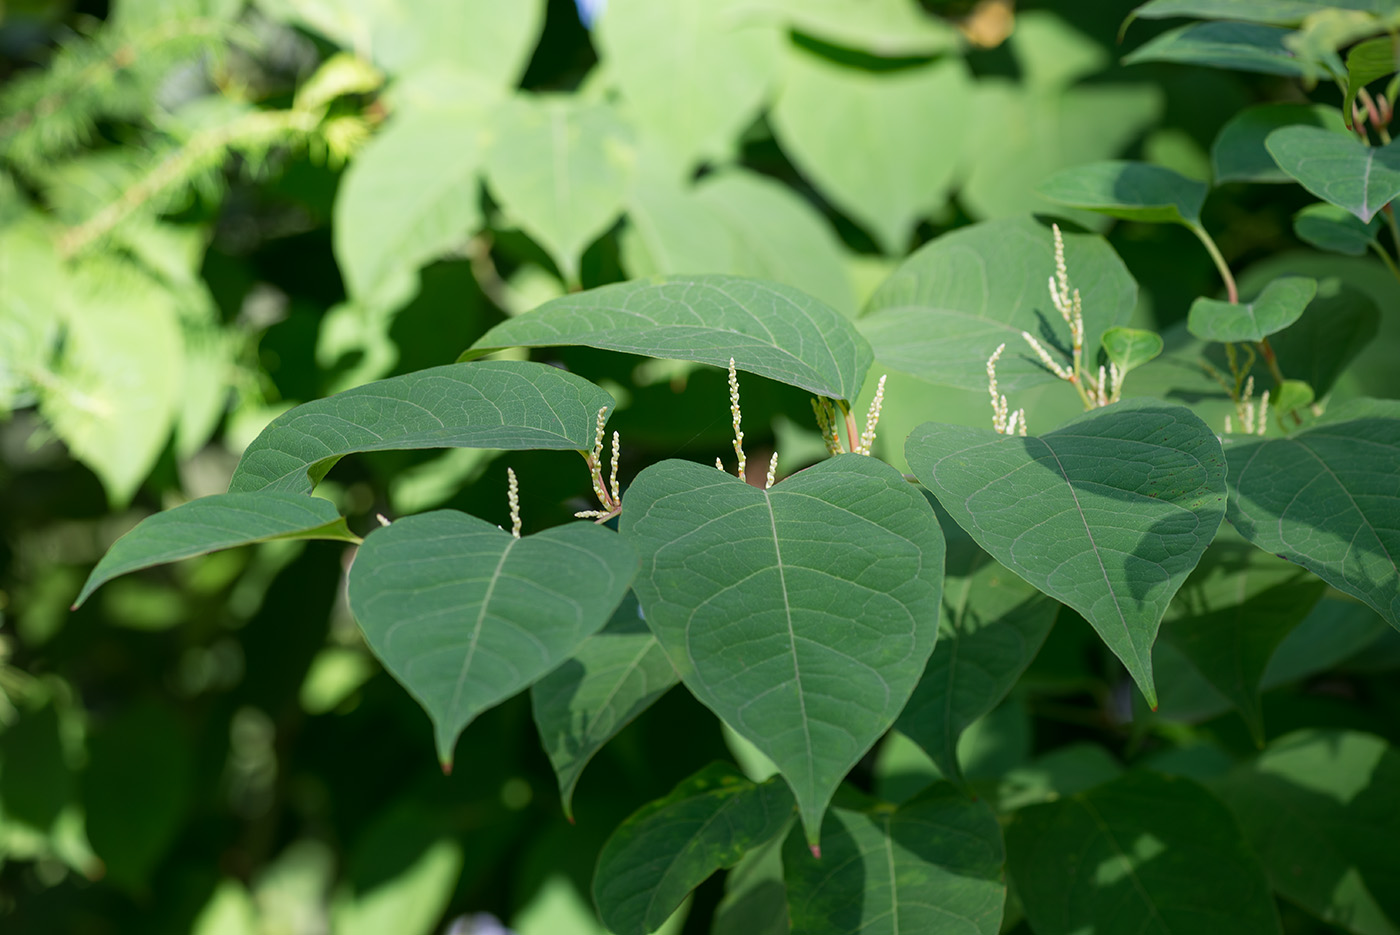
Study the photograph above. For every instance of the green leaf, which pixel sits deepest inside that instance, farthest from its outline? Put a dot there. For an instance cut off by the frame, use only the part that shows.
(755, 899)
(909, 120)
(934, 865)
(1367, 61)
(942, 313)
(1239, 46)
(1276, 12)
(465, 615)
(221, 521)
(1134, 191)
(991, 626)
(1107, 514)
(803, 615)
(1232, 613)
(1334, 229)
(1063, 771)
(1334, 852)
(670, 846)
(39, 782)
(1129, 348)
(1339, 169)
(1327, 498)
(558, 167)
(1280, 304)
(408, 197)
(493, 404)
(1141, 853)
(614, 676)
(771, 330)
(692, 73)
(1335, 329)
(1238, 153)
(493, 41)
(739, 223)
(890, 28)
(1292, 395)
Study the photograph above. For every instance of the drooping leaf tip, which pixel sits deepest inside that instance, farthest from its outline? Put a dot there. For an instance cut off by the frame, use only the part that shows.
(816, 850)
(447, 767)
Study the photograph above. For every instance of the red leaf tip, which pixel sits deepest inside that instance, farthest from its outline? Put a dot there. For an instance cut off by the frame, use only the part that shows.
(816, 851)
(447, 767)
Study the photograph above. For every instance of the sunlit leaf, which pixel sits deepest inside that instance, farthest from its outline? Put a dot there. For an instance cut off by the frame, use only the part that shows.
(493, 41)
(1328, 498)
(1107, 514)
(805, 643)
(465, 615)
(1339, 169)
(1280, 304)
(221, 521)
(1130, 348)
(670, 846)
(492, 404)
(880, 27)
(771, 330)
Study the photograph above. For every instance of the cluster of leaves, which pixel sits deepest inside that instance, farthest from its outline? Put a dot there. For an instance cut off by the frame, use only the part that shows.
(872, 641)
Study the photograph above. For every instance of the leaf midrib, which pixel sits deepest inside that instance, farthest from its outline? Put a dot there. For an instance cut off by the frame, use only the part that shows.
(476, 630)
(792, 633)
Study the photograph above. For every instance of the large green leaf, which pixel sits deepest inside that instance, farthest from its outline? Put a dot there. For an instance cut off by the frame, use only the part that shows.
(803, 615)
(558, 167)
(1232, 614)
(1337, 168)
(1328, 498)
(1144, 853)
(408, 197)
(755, 898)
(613, 677)
(942, 313)
(1135, 191)
(1107, 514)
(1238, 153)
(1239, 46)
(1280, 304)
(880, 27)
(991, 627)
(492, 404)
(221, 521)
(1318, 807)
(909, 122)
(933, 866)
(771, 330)
(465, 615)
(1336, 230)
(670, 846)
(493, 41)
(692, 73)
(737, 222)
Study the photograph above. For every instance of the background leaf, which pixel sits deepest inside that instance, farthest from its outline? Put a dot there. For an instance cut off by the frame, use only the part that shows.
(934, 865)
(491, 404)
(1144, 852)
(1280, 304)
(465, 615)
(771, 330)
(1346, 529)
(1107, 514)
(1240, 46)
(1135, 191)
(672, 845)
(1333, 853)
(1238, 153)
(221, 521)
(1335, 229)
(815, 655)
(1336, 168)
(613, 677)
(1367, 61)
(491, 41)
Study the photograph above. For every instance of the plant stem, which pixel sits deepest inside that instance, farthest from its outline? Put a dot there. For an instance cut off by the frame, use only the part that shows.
(1394, 228)
(852, 433)
(1385, 258)
(1270, 361)
(1232, 292)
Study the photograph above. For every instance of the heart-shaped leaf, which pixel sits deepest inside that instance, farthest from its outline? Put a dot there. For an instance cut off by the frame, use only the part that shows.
(934, 864)
(1328, 498)
(771, 330)
(1129, 348)
(1251, 47)
(1144, 853)
(1238, 153)
(1339, 862)
(942, 313)
(1107, 514)
(465, 615)
(493, 404)
(1280, 304)
(613, 677)
(670, 846)
(1135, 191)
(1339, 169)
(222, 521)
(991, 627)
(803, 615)
(1335, 229)
(559, 168)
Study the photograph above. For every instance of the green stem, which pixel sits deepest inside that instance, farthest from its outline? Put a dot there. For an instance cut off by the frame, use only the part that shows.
(1267, 352)
(1232, 292)
(1385, 258)
(1394, 228)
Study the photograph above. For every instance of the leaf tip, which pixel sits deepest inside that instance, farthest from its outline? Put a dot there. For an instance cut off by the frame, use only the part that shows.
(447, 767)
(816, 850)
